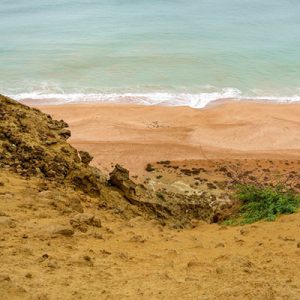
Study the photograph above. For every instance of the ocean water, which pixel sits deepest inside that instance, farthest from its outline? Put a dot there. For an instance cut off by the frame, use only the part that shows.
(173, 52)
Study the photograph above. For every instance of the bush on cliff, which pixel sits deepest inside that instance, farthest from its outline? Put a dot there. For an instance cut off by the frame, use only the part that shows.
(264, 203)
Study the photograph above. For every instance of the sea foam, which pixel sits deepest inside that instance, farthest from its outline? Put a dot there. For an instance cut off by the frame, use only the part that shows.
(195, 100)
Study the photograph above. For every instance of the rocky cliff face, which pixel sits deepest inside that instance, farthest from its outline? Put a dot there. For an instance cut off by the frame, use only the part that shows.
(32, 144)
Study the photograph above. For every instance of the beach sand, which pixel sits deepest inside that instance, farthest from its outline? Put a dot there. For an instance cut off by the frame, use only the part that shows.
(135, 135)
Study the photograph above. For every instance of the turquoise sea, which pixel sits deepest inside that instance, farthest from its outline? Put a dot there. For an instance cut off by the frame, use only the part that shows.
(179, 52)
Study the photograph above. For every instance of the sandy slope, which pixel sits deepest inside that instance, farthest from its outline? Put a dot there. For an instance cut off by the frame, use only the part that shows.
(135, 135)
(137, 259)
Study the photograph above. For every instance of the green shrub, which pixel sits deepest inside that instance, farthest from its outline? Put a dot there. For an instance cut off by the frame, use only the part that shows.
(264, 203)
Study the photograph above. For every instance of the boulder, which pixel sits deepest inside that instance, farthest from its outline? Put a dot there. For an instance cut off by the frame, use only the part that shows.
(119, 178)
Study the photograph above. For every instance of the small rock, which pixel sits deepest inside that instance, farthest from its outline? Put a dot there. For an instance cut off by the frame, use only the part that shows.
(193, 264)
(52, 264)
(119, 178)
(242, 262)
(64, 230)
(45, 256)
(247, 270)
(149, 168)
(287, 238)
(137, 239)
(80, 260)
(86, 158)
(80, 221)
(211, 186)
(96, 222)
(109, 230)
(87, 258)
(298, 245)
(28, 275)
(244, 231)
(65, 133)
(220, 245)
(104, 252)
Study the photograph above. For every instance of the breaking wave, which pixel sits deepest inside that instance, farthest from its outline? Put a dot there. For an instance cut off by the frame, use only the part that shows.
(195, 100)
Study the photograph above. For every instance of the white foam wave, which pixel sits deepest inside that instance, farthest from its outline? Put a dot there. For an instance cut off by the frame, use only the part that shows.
(199, 100)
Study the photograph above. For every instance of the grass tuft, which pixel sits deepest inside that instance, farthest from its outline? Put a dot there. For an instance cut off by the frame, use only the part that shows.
(263, 203)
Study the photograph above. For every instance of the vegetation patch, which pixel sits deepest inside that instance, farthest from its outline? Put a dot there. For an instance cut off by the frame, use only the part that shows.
(264, 203)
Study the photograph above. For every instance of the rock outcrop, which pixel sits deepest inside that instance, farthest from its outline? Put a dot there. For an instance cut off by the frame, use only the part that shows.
(119, 178)
(33, 144)
(175, 208)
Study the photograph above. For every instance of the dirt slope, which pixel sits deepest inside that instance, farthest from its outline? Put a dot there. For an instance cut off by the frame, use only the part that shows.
(66, 232)
(43, 257)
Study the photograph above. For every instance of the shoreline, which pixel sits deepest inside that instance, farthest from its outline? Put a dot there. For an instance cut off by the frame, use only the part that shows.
(135, 135)
(56, 102)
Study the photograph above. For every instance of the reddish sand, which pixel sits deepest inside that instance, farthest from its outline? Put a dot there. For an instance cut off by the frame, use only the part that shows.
(136, 135)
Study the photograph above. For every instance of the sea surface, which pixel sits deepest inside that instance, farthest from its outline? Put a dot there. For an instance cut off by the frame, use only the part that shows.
(172, 52)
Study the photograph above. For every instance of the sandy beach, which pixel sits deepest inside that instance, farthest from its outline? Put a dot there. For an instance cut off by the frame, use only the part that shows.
(135, 135)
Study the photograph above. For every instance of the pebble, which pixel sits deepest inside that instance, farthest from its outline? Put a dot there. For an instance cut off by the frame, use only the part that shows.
(244, 231)
(220, 245)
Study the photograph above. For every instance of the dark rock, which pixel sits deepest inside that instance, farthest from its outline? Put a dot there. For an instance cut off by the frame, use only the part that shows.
(211, 186)
(149, 168)
(65, 133)
(164, 162)
(85, 157)
(119, 178)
